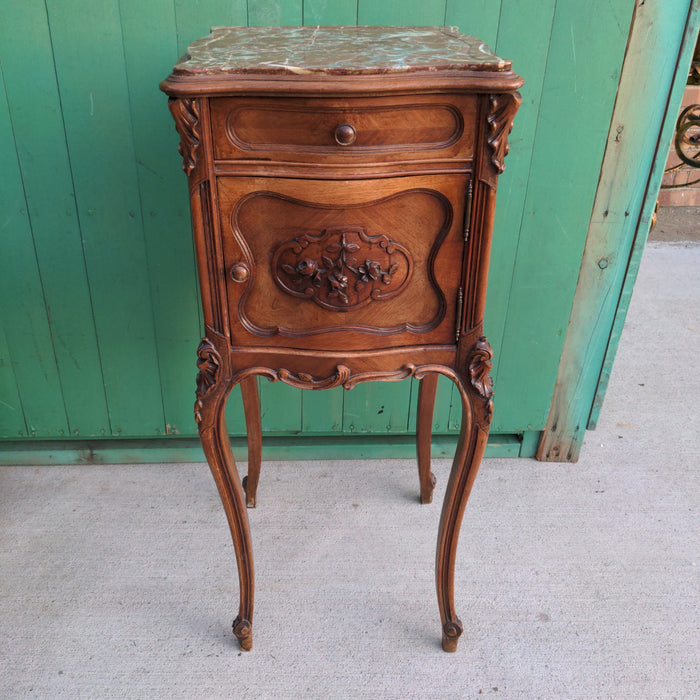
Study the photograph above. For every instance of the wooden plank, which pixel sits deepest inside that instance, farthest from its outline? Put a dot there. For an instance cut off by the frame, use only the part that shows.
(443, 405)
(330, 12)
(194, 19)
(88, 50)
(38, 126)
(235, 416)
(176, 449)
(481, 20)
(583, 66)
(385, 408)
(528, 443)
(22, 313)
(280, 407)
(377, 407)
(275, 13)
(322, 411)
(636, 151)
(517, 19)
(12, 423)
(675, 97)
(150, 43)
(476, 18)
(406, 13)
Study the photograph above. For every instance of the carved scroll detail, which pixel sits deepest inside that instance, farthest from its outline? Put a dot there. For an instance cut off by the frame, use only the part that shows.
(480, 365)
(343, 268)
(500, 121)
(209, 364)
(340, 377)
(186, 115)
(307, 381)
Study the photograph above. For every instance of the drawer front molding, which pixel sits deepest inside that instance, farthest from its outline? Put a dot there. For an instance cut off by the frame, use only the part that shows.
(313, 128)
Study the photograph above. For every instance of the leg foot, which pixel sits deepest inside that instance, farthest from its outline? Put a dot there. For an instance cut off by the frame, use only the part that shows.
(451, 632)
(426, 495)
(243, 630)
(249, 497)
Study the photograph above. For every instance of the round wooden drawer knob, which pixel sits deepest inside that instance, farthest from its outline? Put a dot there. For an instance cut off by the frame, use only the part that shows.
(345, 134)
(240, 272)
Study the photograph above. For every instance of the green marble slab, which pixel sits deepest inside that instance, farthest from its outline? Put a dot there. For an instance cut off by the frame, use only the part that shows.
(337, 51)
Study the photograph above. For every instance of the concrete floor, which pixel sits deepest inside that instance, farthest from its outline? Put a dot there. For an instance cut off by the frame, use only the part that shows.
(677, 224)
(573, 580)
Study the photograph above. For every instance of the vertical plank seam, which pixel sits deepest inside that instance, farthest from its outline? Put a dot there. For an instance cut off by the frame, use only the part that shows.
(36, 259)
(77, 218)
(141, 223)
(499, 349)
(177, 26)
(2, 330)
(500, 15)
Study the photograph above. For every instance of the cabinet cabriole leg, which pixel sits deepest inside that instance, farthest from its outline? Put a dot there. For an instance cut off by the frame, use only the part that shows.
(213, 389)
(476, 391)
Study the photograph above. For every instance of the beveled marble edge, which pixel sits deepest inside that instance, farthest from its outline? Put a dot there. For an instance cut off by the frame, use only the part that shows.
(336, 51)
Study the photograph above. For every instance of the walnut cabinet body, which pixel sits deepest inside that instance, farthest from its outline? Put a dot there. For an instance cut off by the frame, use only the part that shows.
(342, 187)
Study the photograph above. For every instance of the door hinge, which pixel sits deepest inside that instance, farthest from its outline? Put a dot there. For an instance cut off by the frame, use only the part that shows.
(460, 302)
(468, 211)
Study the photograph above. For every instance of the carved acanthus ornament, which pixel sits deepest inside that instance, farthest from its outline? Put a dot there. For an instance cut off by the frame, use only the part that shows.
(343, 268)
(500, 121)
(186, 115)
(209, 364)
(480, 366)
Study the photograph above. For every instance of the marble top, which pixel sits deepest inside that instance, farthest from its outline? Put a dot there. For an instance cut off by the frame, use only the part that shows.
(337, 51)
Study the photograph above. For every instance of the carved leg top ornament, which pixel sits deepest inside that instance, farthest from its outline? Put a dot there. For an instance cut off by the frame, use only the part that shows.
(209, 364)
(480, 366)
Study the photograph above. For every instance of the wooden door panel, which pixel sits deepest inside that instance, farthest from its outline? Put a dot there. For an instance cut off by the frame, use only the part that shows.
(379, 259)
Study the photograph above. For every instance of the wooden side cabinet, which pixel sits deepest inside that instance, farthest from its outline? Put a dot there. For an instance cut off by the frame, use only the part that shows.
(342, 187)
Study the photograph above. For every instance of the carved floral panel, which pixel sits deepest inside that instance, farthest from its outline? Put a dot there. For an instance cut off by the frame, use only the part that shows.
(343, 268)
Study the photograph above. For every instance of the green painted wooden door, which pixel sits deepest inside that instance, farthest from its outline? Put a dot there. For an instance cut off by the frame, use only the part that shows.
(100, 312)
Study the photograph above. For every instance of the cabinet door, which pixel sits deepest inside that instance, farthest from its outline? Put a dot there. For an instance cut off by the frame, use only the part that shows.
(354, 264)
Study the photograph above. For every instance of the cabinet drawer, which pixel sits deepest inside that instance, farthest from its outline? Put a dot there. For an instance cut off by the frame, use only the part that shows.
(400, 128)
(379, 261)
